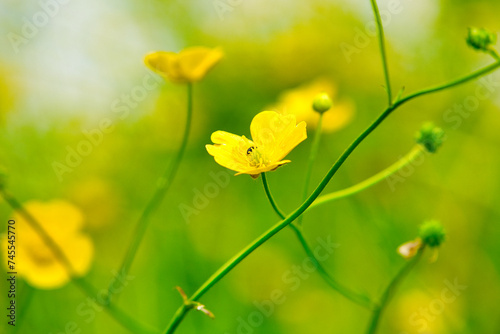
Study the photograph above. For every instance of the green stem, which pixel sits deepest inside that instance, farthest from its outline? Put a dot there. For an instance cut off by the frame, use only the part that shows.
(389, 291)
(235, 260)
(312, 159)
(125, 320)
(353, 296)
(494, 53)
(162, 187)
(346, 292)
(381, 42)
(271, 198)
(413, 155)
(453, 83)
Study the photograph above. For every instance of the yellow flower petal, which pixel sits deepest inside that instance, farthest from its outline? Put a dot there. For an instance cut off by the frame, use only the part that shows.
(298, 101)
(254, 172)
(43, 270)
(229, 150)
(36, 261)
(274, 136)
(166, 64)
(195, 62)
(277, 134)
(190, 65)
(337, 118)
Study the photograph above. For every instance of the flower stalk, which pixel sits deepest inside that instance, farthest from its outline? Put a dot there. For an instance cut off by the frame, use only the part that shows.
(389, 292)
(270, 197)
(312, 159)
(381, 41)
(163, 184)
(343, 290)
(235, 260)
(415, 153)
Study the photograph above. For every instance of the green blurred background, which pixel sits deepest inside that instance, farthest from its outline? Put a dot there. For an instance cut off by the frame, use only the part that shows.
(65, 78)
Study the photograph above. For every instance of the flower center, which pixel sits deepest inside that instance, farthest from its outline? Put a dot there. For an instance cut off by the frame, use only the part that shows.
(255, 157)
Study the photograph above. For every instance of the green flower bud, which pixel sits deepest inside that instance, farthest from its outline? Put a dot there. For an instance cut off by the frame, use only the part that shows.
(480, 39)
(430, 136)
(322, 103)
(432, 233)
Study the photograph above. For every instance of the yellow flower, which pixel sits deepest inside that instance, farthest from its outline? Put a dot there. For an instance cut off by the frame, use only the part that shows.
(410, 248)
(274, 136)
(34, 260)
(189, 65)
(414, 312)
(299, 102)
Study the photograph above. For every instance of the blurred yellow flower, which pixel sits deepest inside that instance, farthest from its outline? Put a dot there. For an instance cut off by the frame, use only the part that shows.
(298, 101)
(410, 248)
(274, 136)
(309, 310)
(35, 261)
(420, 312)
(189, 65)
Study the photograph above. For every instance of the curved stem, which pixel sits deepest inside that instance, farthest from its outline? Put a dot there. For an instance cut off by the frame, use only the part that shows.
(381, 42)
(233, 262)
(312, 159)
(163, 184)
(389, 291)
(450, 84)
(271, 198)
(494, 53)
(125, 320)
(413, 155)
(353, 296)
(346, 292)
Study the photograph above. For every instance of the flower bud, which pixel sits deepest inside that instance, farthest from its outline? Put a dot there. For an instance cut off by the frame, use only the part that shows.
(430, 136)
(410, 249)
(322, 103)
(480, 39)
(432, 233)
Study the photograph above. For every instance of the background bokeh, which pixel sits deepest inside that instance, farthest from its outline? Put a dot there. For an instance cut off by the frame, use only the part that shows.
(68, 74)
